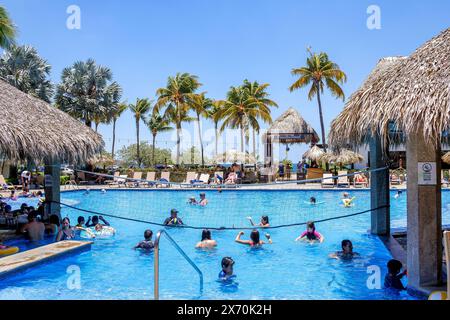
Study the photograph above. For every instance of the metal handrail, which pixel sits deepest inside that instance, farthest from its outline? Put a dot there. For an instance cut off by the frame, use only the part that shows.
(156, 261)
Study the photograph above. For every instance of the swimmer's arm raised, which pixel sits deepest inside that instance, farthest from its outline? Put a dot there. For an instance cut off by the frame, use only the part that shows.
(238, 239)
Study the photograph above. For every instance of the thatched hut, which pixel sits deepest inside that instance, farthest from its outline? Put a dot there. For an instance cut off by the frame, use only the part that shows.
(446, 158)
(314, 154)
(289, 128)
(409, 95)
(31, 129)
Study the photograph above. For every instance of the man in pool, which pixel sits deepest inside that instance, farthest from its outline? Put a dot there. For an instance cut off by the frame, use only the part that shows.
(173, 220)
(95, 221)
(203, 201)
(147, 243)
(227, 269)
(80, 221)
(34, 229)
(347, 252)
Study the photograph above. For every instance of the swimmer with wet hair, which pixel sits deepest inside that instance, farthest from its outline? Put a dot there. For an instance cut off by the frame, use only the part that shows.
(264, 222)
(254, 239)
(227, 269)
(207, 241)
(147, 243)
(311, 234)
(347, 252)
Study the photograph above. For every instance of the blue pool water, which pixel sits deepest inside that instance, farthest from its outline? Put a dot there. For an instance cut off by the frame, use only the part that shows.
(284, 270)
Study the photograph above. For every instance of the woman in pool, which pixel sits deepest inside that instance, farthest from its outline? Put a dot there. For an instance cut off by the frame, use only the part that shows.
(66, 232)
(347, 252)
(311, 234)
(206, 241)
(263, 224)
(254, 239)
(346, 200)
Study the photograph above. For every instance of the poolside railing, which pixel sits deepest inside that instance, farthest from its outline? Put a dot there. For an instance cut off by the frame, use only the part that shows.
(183, 254)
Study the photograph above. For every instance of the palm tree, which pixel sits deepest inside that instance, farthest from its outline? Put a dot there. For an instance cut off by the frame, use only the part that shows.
(319, 72)
(240, 110)
(140, 109)
(22, 67)
(215, 113)
(8, 30)
(258, 92)
(156, 123)
(116, 115)
(176, 96)
(200, 104)
(86, 91)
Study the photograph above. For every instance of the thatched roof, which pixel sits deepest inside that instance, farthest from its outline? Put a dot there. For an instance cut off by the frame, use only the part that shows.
(345, 156)
(400, 94)
(31, 129)
(290, 124)
(446, 157)
(314, 153)
(234, 156)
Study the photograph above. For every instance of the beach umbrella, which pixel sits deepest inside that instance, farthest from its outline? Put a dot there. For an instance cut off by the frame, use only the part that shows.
(328, 157)
(348, 157)
(446, 157)
(234, 156)
(314, 154)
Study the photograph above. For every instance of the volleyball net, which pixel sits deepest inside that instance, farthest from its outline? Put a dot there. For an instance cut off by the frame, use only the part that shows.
(236, 207)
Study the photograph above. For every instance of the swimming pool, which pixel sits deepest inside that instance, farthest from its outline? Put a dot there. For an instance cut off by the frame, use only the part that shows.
(284, 270)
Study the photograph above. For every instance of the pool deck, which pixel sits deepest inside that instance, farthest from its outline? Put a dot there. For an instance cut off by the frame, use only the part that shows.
(26, 259)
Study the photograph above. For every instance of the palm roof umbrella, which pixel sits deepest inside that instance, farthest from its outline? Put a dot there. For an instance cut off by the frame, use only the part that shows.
(314, 154)
(348, 157)
(234, 156)
(446, 157)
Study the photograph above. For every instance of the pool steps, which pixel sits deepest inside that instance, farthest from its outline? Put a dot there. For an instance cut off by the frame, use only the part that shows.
(29, 258)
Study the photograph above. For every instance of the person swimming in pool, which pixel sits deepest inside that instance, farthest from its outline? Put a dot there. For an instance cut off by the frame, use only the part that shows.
(206, 241)
(398, 194)
(203, 201)
(173, 220)
(311, 234)
(346, 200)
(192, 200)
(264, 222)
(96, 222)
(312, 200)
(347, 252)
(147, 243)
(227, 269)
(66, 232)
(254, 239)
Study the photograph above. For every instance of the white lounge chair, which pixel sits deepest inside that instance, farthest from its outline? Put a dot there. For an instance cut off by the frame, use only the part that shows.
(150, 179)
(5, 185)
(165, 176)
(216, 181)
(204, 178)
(327, 180)
(343, 179)
(190, 176)
(135, 180)
(114, 180)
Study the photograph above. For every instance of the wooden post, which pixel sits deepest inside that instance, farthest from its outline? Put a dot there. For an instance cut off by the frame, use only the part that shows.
(52, 190)
(424, 232)
(379, 189)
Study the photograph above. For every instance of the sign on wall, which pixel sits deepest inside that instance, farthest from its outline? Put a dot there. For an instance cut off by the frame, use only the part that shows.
(48, 181)
(426, 173)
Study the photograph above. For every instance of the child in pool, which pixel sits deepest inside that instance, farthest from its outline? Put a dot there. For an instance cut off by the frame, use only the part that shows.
(192, 200)
(398, 194)
(346, 200)
(347, 252)
(264, 222)
(227, 269)
(310, 234)
(312, 200)
(394, 276)
(147, 243)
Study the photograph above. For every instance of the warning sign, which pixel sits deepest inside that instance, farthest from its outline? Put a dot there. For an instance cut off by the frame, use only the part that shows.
(426, 173)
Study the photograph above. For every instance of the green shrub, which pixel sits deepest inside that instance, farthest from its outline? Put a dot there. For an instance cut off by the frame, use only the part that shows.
(63, 179)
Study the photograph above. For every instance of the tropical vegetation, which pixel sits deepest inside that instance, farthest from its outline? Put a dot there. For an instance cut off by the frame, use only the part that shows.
(8, 30)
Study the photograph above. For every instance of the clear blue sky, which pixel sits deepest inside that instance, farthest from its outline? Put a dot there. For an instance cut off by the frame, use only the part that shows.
(224, 42)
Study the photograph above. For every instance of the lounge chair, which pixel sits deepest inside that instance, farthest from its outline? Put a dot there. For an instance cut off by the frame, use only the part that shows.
(165, 179)
(216, 181)
(114, 180)
(190, 176)
(360, 180)
(5, 185)
(204, 180)
(81, 178)
(135, 180)
(122, 180)
(150, 179)
(327, 180)
(343, 179)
